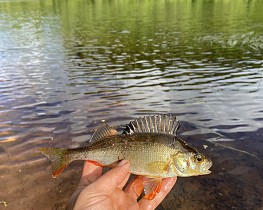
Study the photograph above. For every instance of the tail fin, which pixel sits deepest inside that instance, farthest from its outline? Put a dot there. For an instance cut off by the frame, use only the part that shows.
(58, 157)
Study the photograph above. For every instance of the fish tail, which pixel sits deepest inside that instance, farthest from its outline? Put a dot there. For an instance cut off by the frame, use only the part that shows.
(59, 158)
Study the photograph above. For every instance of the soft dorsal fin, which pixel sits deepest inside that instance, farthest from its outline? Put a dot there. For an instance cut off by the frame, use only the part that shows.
(153, 124)
(103, 131)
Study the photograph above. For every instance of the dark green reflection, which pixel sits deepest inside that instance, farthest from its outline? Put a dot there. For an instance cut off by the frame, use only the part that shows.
(195, 24)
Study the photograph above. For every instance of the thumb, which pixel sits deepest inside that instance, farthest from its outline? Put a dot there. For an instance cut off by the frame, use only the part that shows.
(108, 182)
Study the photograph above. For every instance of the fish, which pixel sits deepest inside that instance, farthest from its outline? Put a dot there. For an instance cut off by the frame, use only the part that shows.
(149, 143)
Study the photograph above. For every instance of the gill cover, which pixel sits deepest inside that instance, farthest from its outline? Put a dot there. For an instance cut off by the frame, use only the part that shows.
(181, 164)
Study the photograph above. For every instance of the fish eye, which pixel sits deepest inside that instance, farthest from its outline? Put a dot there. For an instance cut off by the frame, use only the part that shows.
(198, 157)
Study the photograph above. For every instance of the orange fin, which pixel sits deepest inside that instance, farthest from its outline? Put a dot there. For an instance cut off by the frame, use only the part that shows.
(94, 162)
(58, 157)
(152, 186)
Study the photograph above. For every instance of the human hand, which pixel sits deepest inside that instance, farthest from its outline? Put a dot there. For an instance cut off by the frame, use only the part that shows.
(97, 191)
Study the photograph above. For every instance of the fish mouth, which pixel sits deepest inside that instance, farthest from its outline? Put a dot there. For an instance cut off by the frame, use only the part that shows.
(207, 172)
(207, 167)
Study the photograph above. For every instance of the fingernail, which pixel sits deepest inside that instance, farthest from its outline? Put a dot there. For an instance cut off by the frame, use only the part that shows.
(122, 163)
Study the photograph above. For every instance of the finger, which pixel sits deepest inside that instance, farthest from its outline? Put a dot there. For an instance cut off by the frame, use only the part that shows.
(90, 173)
(113, 178)
(167, 185)
(121, 185)
(72, 200)
(135, 188)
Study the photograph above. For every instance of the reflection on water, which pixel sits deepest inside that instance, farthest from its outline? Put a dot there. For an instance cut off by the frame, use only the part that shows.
(64, 66)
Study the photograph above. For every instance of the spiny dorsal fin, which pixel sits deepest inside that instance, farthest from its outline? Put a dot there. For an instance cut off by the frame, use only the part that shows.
(153, 124)
(103, 131)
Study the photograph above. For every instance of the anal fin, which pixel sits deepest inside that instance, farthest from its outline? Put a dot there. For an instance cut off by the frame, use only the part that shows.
(94, 162)
(152, 186)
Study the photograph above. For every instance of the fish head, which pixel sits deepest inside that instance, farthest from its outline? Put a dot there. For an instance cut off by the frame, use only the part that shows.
(192, 164)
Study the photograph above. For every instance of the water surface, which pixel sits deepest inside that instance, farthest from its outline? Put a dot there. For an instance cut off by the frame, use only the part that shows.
(67, 65)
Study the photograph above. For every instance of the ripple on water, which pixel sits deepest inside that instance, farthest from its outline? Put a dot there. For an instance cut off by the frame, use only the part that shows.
(61, 74)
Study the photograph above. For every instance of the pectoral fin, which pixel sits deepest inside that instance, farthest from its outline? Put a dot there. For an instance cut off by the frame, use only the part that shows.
(158, 167)
(152, 186)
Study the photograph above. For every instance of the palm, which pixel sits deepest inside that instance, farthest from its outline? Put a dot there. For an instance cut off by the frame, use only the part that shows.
(117, 200)
(97, 191)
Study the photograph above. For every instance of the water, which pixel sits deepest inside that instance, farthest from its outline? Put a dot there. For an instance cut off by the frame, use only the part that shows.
(67, 65)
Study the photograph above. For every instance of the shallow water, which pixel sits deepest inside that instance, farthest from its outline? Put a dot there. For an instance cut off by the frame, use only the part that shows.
(67, 65)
